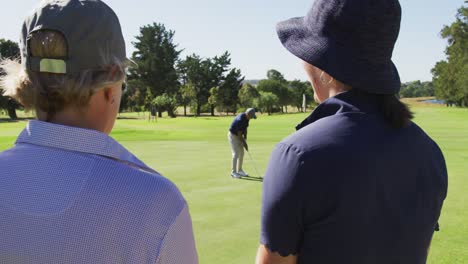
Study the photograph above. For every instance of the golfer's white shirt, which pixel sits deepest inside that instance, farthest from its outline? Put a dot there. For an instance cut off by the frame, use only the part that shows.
(71, 195)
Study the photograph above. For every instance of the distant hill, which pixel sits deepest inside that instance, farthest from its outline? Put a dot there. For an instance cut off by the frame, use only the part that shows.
(252, 82)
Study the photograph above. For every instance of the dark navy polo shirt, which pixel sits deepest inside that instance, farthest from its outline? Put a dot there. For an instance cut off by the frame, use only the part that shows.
(240, 123)
(349, 188)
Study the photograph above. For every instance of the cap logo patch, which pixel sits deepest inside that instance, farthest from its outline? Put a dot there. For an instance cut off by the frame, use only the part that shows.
(53, 66)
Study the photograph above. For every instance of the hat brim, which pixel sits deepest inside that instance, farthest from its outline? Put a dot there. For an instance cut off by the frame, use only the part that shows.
(340, 61)
(129, 63)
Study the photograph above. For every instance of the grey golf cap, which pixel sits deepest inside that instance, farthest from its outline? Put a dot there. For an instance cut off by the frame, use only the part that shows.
(251, 112)
(90, 27)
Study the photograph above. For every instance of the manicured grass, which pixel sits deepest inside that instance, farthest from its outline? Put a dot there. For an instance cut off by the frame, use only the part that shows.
(195, 154)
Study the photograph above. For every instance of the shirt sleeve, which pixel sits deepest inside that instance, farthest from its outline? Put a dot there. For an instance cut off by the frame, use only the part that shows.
(179, 244)
(282, 224)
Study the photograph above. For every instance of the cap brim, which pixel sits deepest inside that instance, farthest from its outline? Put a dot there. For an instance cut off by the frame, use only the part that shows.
(337, 60)
(131, 63)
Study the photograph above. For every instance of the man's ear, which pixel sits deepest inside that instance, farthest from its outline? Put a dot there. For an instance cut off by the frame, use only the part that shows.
(109, 95)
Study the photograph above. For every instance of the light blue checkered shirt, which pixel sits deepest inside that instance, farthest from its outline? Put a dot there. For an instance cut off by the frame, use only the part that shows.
(71, 195)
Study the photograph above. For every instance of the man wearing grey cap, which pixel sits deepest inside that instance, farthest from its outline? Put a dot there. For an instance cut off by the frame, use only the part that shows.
(237, 136)
(69, 193)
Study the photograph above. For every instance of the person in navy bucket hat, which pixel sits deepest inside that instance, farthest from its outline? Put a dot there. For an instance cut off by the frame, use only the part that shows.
(351, 40)
(358, 182)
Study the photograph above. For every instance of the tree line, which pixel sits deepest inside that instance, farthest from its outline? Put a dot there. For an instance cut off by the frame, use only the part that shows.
(450, 76)
(159, 80)
(417, 89)
(163, 82)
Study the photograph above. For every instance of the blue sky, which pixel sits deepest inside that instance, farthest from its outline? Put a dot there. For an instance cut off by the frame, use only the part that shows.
(246, 28)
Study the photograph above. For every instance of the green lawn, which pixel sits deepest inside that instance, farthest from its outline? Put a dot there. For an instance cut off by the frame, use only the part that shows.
(195, 154)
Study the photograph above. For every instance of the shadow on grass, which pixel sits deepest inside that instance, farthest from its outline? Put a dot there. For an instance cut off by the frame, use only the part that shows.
(129, 118)
(250, 178)
(8, 120)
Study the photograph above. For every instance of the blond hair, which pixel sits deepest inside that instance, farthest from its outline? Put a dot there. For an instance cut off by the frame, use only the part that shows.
(50, 93)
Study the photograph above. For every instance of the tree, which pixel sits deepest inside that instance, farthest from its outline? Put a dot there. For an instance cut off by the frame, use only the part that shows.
(266, 102)
(148, 101)
(188, 69)
(167, 103)
(416, 89)
(297, 90)
(192, 72)
(228, 99)
(277, 88)
(427, 89)
(156, 56)
(124, 104)
(213, 99)
(247, 94)
(450, 76)
(444, 82)
(186, 96)
(203, 74)
(8, 50)
(134, 96)
(276, 76)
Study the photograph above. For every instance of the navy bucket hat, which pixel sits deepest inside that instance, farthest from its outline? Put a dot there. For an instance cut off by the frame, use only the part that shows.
(351, 40)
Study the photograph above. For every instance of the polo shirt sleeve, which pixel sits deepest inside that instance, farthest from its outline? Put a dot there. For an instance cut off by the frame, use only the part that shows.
(282, 224)
(179, 244)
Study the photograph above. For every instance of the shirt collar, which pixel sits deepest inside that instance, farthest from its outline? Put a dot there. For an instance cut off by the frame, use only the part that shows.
(350, 101)
(78, 140)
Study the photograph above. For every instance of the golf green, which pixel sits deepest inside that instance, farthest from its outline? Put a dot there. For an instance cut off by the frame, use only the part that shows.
(195, 154)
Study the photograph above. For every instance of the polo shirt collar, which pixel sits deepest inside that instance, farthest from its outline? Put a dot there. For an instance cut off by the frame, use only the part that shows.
(78, 140)
(350, 101)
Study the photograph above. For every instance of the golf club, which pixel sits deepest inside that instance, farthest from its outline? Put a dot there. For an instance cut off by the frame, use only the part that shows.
(254, 165)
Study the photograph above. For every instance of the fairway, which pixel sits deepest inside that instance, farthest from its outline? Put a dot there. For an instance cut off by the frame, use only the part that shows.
(195, 154)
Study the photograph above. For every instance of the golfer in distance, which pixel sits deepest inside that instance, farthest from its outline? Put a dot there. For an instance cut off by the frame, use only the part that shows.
(358, 183)
(69, 193)
(237, 136)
